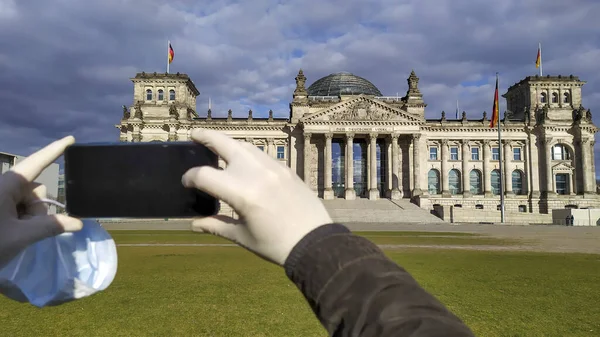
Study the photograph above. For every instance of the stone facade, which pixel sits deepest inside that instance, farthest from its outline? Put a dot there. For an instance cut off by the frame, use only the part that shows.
(547, 141)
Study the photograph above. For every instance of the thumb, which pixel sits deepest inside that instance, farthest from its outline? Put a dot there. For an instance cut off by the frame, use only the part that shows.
(40, 227)
(223, 226)
(215, 182)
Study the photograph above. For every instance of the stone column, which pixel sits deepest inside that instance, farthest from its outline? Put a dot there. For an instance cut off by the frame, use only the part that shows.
(396, 193)
(593, 170)
(586, 167)
(534, 167)
(292, 156)
(507, 173)
(416, 140)
(444, 173)
(271, 151)
(307, 159)
(374, 190)
(549, 177)
(350, 193)
(487, 181)
(466, 182)
(328, 193)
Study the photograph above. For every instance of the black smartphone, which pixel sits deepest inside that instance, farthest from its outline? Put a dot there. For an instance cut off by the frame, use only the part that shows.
(136, 180)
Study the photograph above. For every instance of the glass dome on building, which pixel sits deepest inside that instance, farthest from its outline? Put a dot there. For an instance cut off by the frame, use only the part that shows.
(342, 83)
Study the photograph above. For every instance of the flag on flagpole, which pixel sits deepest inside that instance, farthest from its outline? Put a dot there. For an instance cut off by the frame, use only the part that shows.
(538, 60)
(495, 112)
(171, 53)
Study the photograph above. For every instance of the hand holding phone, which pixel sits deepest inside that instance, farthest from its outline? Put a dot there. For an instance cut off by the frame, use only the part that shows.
(136, 180)
(276, 208)
(23, 220)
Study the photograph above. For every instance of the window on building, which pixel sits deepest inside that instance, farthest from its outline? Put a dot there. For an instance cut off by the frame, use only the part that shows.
(562, 184)
(171, 95)
(560, 152)
(475, 182)
(433, 153)
(517, 153)
(495, 179)
(433, 181)
(161, 95)
(522, 208)
(566, 98)
(261, 147)
(474, 153)
(517, 182)
(479, 206)
(148, 94)
(495, 153)
(543, 98)
(454, 183)
(453, 153)
(554, 97)
(280, 152)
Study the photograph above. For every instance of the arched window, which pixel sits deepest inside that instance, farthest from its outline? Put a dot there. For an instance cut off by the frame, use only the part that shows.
(517, 182)
(161, 95)
(433, 181)
(560, 152)
(454, 183)
(148, 95)
(475, 182)
(566, 98)
(554, 97)
(495, 177)
(543, 98)
(171, 95)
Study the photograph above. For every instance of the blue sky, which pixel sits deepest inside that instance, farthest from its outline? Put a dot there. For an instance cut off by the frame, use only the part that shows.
(65, 65)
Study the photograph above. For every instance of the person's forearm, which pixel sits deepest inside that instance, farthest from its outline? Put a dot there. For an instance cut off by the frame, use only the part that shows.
(355, 290)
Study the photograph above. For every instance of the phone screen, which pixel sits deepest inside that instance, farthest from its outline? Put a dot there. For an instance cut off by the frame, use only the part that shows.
(136, 180)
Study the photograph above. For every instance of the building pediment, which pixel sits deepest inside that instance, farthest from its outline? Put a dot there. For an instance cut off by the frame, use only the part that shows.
(563, 167)
(361, 108)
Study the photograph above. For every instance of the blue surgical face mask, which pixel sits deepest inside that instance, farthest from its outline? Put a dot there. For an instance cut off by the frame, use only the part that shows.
(62, 268)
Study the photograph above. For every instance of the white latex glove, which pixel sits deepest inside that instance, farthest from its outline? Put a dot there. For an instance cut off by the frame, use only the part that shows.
(23, 222)
(275, 206)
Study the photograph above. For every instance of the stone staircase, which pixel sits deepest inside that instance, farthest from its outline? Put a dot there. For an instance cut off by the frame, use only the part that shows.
(369, 211)
(378, 211)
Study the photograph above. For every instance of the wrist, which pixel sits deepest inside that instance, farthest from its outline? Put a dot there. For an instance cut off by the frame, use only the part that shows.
(294, 260)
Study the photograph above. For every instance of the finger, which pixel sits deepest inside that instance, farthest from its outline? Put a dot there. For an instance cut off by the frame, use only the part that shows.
(40, 227)
(223, 226)
(33, 206)
(218, 142)
(215, 182)
(31, 167)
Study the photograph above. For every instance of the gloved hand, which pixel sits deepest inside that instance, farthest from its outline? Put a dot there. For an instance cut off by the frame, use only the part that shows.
(23, 222)
(275, 206)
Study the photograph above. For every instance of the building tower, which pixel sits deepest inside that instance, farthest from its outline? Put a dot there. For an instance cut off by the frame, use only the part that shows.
(561, 129)
(161, 102)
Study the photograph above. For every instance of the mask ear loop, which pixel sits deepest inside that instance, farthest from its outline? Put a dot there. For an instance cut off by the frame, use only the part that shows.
(48, 201)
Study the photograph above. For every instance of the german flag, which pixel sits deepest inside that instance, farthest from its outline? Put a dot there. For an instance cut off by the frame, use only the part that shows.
(495, 113)
(171, 53)
(538, 60)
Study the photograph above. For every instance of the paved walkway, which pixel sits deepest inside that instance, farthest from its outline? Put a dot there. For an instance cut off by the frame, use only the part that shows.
(534, 237)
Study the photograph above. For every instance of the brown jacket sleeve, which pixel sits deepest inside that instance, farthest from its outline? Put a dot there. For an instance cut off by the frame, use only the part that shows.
(355, 290)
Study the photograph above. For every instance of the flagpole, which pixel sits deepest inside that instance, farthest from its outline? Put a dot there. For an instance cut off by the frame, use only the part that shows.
(500, 163)
(168, 53)
(540, 47)
(456, 109)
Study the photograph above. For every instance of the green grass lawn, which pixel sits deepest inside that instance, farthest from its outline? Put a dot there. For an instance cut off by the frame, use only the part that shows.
(226, 291)
(389, 238)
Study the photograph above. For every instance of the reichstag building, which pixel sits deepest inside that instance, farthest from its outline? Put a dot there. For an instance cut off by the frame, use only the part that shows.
(347, 140)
